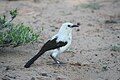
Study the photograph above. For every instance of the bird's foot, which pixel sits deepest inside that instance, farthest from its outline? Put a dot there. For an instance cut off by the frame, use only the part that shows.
(59, 63)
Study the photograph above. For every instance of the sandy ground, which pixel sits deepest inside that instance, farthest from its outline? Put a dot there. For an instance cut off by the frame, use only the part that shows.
(90, 56)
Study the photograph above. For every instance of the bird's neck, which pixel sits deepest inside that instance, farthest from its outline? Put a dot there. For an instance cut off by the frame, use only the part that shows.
(64, 36)
(65, 33)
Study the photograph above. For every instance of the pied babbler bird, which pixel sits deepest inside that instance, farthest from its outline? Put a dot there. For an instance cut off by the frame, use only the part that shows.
(57, 44)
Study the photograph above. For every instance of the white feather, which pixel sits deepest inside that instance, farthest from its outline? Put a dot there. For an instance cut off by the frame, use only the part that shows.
(65, 35)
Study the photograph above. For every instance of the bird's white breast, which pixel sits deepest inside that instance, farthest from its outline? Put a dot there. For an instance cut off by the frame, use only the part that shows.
(65, 38)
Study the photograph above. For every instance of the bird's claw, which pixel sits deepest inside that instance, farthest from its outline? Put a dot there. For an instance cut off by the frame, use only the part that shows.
(59, 63)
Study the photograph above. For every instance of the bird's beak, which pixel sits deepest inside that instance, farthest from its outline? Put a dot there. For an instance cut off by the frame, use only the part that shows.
(78, 24)
(75, 26)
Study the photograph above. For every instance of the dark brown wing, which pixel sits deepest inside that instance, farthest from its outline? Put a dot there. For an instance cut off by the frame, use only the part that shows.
(53, 44)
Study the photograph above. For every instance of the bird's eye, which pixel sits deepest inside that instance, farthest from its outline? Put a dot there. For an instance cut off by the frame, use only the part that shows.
(68, 25)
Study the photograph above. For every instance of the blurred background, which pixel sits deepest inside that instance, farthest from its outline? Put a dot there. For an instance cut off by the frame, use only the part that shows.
(95, 50)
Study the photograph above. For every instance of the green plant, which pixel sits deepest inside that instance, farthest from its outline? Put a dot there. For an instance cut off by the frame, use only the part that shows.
(115, 48)
(13, 14)
(93, 5)
(104, 68)
(15, 34)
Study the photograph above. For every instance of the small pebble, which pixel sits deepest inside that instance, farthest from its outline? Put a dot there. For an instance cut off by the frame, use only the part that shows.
(78, 30)
(95, 54)
(7, 68)
(44, 74)
(32, 78)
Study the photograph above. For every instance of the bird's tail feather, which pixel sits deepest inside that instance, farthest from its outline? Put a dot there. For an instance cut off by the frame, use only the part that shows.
(32, 60)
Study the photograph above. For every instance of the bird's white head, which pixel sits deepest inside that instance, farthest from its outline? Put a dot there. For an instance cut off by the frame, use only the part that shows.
(67, 27)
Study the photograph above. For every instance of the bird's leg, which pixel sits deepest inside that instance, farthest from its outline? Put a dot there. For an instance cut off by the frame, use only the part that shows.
(56, 61)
